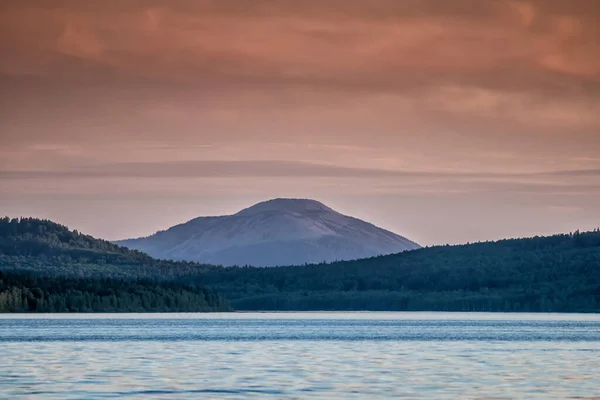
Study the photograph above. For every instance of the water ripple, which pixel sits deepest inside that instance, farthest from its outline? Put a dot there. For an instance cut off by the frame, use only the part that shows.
(279, 356)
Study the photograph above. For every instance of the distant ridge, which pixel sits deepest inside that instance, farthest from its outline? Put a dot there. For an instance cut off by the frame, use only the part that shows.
(276, 232)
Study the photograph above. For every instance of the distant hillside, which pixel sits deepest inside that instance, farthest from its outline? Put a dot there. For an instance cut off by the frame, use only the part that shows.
(44, 267)
(273, 233)
(31, 244)
(557, 273)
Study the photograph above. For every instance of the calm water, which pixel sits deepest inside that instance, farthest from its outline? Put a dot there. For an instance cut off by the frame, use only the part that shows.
(300, 355)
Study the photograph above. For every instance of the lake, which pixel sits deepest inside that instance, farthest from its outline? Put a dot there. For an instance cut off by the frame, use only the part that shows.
(300, 355)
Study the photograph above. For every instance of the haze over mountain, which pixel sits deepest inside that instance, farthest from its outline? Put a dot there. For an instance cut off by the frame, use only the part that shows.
(273, 233)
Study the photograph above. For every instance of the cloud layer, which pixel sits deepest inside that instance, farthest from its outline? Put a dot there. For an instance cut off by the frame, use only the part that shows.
(336, 98)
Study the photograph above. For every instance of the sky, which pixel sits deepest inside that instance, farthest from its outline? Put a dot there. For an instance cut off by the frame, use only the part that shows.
(445, 121)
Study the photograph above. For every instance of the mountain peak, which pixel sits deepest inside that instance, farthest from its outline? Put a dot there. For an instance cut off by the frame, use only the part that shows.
(286, 205)
(274, 232)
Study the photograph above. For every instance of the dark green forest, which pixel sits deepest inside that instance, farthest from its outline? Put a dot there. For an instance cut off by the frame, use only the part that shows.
(558, 273)
(31, 244)
(27, 293)
(48, 268)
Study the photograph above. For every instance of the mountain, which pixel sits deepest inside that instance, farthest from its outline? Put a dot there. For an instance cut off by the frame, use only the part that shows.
(272, 233)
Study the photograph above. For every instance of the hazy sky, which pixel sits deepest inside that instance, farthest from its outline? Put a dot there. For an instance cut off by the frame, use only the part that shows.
(443, 120)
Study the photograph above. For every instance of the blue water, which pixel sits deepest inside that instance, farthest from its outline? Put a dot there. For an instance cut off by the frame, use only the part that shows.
(300, 355)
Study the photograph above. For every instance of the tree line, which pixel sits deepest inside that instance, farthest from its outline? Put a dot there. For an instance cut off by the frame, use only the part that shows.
(29, 293)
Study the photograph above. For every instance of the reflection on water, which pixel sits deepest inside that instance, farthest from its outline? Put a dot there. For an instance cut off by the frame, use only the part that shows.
(303, 355)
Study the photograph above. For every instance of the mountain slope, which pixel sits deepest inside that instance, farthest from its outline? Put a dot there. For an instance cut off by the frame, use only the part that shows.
(272, 233)
(30, 244)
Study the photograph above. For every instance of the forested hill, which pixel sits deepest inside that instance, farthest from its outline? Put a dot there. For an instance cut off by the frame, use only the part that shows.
(32, 236)
(71, 272)
(556, 273)
(31, 244)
